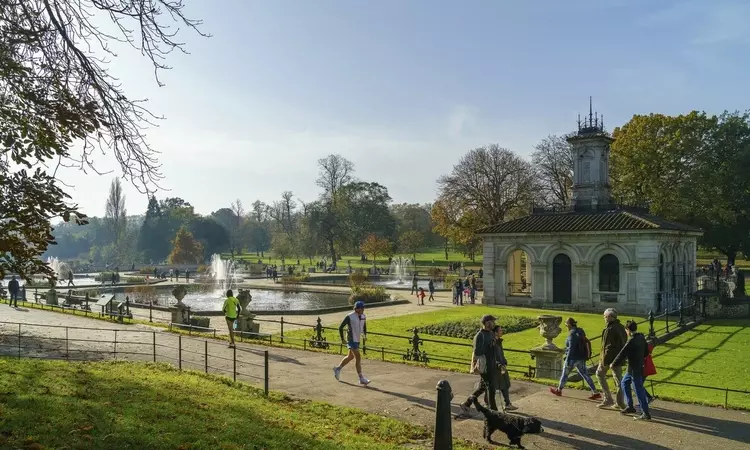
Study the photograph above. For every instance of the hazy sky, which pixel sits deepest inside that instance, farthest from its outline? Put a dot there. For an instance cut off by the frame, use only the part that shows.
(403, 87)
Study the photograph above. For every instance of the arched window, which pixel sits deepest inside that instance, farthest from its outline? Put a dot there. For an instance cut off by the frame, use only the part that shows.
(609, 274)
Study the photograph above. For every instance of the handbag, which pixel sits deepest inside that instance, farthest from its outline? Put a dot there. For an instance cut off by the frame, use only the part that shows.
(481, 364)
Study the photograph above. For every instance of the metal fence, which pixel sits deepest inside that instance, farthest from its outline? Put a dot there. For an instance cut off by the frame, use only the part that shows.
(69, 343)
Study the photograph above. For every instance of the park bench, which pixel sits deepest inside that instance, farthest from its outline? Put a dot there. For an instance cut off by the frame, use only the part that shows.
(109, 308)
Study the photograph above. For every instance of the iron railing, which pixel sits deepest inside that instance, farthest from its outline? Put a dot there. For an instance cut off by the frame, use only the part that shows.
(70, 343)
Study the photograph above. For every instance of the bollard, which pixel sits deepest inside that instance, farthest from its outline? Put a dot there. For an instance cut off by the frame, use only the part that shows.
(443, 420)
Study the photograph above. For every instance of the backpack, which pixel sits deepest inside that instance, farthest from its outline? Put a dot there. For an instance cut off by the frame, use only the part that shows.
(584, 345)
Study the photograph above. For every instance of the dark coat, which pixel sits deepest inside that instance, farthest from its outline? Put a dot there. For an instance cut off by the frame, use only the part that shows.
(635, 352)
(503, 379)
(573, 345)
(13, 286)
(614, 338)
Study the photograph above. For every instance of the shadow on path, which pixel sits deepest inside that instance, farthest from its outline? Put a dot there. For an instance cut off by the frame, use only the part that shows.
(728, 429)
(612, 440)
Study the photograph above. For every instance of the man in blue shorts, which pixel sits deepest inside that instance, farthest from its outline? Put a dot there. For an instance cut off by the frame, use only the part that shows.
(355, 323)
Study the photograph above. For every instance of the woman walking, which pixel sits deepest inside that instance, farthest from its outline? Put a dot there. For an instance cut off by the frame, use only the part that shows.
(503, 378)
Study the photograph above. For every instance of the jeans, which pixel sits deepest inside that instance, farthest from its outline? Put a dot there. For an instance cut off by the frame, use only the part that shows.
(487, 386)
(640, 391)
(601, 374)
(13, 299)
(580, 366)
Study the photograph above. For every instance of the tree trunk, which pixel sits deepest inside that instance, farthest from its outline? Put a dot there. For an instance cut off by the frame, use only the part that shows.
(731, 256)
(446, 249)
(332, 249)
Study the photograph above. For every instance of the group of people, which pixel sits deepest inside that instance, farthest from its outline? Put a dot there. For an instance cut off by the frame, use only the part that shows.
(461, 288)
(621, 344)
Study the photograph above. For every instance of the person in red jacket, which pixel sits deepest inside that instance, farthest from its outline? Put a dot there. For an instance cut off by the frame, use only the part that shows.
(649, 368)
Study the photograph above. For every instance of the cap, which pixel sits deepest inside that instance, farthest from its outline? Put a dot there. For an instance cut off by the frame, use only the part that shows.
(359, 304)
(487, 317)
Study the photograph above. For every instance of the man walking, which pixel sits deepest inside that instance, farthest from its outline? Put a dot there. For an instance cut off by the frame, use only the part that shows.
(483, 362)
(231, 310)
(614, 338)
(575, 357)
(357, 330)
(13, 288)
(635, 351)
(431, 288)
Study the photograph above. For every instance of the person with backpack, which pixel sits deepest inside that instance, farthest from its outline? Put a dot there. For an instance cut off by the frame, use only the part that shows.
(577, 352)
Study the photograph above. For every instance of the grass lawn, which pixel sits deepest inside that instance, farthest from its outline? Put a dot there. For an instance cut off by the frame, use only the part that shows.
(402, 325)
(425, 260)
(117, 405)
(712, 354)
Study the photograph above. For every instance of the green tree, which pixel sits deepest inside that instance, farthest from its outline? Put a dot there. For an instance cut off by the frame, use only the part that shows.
(411, 242)
(690, 168)
(362, 208)
(186, 249)
(56, 94)
(213, 237)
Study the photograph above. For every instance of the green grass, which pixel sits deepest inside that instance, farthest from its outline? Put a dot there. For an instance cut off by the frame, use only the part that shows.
(402, 325)
(712, 354)
(425, 260)
(118, 405)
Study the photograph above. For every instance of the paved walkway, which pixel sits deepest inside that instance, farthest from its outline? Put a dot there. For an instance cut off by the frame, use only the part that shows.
(400, 391)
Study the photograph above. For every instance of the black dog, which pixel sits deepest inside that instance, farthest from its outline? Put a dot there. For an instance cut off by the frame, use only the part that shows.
(513, 426)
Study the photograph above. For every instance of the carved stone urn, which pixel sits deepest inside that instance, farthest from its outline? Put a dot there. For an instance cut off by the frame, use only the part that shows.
(245, 324)
(549, 328)
(179, 293)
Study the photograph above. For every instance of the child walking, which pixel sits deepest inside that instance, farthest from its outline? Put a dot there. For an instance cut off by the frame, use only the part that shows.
(420, 297)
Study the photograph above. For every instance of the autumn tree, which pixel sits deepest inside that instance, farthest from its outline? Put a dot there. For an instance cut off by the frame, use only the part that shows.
(374, 246)
(55, 93)
(186, 249)
(458, 226)
(552, 162)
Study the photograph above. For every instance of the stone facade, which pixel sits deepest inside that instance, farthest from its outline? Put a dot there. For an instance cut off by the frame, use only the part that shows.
(647, 262)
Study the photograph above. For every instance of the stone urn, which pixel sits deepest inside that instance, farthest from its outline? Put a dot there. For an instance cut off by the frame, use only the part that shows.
(245, 325)
(549, 328)
(179, 293)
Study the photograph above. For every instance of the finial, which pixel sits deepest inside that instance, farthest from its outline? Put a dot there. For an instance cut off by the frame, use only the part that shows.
(601, 121)
(591, 111)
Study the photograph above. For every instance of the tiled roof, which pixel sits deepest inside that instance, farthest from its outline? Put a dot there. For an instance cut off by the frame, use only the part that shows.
(569, 222)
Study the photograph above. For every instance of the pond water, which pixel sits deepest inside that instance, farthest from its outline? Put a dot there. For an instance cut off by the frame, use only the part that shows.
(263, 300)
(387, 282)
(82, 280)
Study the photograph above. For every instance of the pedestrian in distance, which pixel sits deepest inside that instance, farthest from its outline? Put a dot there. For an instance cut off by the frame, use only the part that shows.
(577, 352)
(356, 333)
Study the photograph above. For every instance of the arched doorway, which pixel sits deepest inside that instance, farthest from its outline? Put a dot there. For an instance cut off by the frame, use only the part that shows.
(562, 279)
(519, 283)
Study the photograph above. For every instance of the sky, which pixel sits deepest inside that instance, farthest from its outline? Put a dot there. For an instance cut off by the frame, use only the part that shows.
(404, 88)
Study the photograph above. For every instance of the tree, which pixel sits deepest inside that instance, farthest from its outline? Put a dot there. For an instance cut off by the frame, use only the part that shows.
(552, 162)
(335, 173)
(153, 240)
(362, 208)
(186, 249)
(416, 217)
(114, 211)
(457, 226)
(491, 182)
(213, 237)
(689, 168)
(411, 242)
(374, 246)
(56, 92)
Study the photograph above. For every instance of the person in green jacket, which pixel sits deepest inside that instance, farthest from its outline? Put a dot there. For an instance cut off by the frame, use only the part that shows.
(231, 310)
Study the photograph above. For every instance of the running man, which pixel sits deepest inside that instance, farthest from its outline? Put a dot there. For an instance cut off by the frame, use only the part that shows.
(357, 329)
(231, 310)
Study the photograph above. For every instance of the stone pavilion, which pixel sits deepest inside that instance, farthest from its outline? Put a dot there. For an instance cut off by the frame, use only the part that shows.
(592, 254)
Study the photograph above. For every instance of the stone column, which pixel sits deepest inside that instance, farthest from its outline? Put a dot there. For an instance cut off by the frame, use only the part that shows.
(548, 356)
(501, 284)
